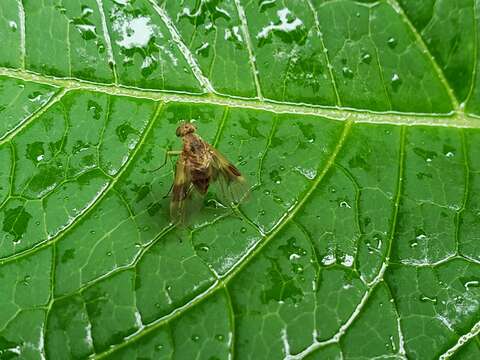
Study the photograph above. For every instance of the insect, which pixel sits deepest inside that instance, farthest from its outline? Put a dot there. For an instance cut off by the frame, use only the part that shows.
(198, 165)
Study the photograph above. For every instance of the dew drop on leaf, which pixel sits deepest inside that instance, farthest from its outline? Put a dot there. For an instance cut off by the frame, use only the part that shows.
(392, 42)
(366, 58)
(297, 268)
(26, 280)
(470, 283)
(202, 247)
(12, 25)
(424, 298)
(421, 237)
(347, 72)
(396, 82)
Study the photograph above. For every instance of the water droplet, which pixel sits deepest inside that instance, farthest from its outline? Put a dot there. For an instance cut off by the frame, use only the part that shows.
(202, 247)
(297, 268)
(203, 49)
(109, 253)
(366, 58)
(392, 42)
(328, 259)
(392, 343)
(396, 82)
(344, 204)
(449, 151)
(275, 177)
(421, 237)
(243, 230)
(471, 283)
(425, 298)
(277, 199)
(13, 25)
(159, 347)
(219, 337)
(92, 232)
(26, 280)
(195, 338)
(61, 9)
(347, 72)
(266, 192)
(348, 260)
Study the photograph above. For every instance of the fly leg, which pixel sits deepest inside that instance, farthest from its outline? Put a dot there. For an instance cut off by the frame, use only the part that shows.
(168, 155)
(169, 191)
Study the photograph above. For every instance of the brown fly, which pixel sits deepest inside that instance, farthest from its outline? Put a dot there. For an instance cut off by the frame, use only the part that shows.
(198, 165)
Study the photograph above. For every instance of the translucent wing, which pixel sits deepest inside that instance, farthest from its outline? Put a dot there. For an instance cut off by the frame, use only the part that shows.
(181, 191)
(233, 184)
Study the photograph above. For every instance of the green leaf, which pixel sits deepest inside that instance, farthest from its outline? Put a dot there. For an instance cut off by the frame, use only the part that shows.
(355, 122)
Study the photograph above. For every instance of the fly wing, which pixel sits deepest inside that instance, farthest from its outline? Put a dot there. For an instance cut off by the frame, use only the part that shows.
(181, 191)
(233, 184)
(185, 201)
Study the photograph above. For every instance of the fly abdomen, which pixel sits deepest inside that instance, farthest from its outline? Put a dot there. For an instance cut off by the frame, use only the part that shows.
(201, 179)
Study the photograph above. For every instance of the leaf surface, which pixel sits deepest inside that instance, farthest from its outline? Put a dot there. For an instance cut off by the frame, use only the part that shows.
(355, 122)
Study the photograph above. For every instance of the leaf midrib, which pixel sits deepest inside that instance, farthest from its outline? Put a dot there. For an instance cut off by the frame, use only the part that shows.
(457, 118)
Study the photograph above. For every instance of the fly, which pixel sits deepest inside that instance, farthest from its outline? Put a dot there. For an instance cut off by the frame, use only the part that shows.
(198, 165)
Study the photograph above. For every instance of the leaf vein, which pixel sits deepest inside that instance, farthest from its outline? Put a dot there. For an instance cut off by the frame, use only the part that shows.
(21, 18)
(108, 41)
(398, 8)
(93, 204)
(187, 54)
(248, 42)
